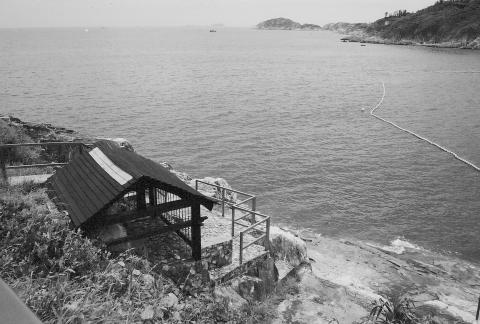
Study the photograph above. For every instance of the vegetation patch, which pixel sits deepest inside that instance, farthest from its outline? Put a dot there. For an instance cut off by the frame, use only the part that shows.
(65, 277)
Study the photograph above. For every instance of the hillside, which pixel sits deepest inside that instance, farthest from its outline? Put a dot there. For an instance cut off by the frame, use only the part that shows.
(285, 24)
(454, 23)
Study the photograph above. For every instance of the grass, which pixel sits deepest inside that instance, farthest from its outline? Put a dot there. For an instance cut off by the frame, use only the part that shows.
(66, 278)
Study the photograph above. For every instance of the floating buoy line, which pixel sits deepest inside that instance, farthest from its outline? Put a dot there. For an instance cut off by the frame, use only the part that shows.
(455, 155)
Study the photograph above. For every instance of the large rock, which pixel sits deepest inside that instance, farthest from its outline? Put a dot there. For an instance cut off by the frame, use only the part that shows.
(288, 247)
(121, 142)
(258, 282)
(227, 293)
(250, 288)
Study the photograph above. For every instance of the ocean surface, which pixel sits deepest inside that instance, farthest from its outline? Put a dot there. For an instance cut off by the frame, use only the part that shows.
(278, 114)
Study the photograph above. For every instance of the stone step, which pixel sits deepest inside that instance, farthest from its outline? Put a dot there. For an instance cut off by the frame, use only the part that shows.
(233, 270)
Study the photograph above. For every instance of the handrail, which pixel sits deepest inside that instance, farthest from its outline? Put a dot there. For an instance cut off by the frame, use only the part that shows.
(41, 143)
(252, 212)
(256, 224)
(40, 165)
(218, 186)
(251, 198)
(4, 151)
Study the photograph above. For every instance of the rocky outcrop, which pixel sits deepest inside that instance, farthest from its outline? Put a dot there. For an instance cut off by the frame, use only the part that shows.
(285, 24)
(287, 247)
(44, 132)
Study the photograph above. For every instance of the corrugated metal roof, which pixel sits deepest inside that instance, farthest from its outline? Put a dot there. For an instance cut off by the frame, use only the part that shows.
(92, 181)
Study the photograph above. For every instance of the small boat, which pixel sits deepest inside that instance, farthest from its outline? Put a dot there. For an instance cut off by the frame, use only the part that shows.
(213, 31)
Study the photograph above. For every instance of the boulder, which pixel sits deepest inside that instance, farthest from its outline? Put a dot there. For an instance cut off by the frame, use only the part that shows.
(228, 294)
(169, 301)
(288, 247)
(120, 141)
(258, 282)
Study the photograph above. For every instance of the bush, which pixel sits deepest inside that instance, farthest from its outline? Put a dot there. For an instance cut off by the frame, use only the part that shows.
(12, 135)
(397, 311)
(35, 241)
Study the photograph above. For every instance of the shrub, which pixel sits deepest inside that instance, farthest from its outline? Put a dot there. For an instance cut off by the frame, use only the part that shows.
(398, 311)
(12, 135)
(37, 241)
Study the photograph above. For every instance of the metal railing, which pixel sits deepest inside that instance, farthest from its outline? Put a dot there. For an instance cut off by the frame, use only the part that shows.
(224, 190)
(10, 157)
(254, 225)
(265, 236)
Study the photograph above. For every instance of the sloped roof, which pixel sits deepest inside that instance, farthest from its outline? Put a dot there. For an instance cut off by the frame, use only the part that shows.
(94, 179)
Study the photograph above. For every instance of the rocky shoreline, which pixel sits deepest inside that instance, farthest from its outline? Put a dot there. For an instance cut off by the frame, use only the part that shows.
(349, 275)
(340, 279)
(474, 45)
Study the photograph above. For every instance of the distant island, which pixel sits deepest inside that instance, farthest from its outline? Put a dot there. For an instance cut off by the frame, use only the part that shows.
(286, 24)
(447, 23)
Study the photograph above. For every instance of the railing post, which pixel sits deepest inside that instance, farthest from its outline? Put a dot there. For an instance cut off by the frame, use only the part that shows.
(478, 309)
(254, 208)
(3, 165)
(196, 184)
(233, 221)
(267, 235)
(223, 202)
(241, 247)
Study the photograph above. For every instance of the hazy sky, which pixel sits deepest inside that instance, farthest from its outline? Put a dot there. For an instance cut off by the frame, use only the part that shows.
(85, 13)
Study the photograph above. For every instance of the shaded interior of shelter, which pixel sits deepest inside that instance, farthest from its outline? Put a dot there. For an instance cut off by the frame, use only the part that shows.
(160, 236)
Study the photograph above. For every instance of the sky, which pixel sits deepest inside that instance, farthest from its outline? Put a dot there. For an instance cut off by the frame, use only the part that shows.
(111, 13)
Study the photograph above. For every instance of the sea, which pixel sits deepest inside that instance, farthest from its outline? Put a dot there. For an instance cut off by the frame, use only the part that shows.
(283, 115)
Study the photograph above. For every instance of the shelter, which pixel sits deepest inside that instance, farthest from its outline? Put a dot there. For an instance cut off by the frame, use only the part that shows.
(110, 185)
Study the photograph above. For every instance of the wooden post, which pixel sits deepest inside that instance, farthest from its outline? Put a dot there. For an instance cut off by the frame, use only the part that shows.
(151, 196)
(152, 199)
(3, 165)
(233, 221)
(478, 309)
(254, 208)
(267, 235)
(196, 232)
(241, 247)
(223, 202)
(141, 203)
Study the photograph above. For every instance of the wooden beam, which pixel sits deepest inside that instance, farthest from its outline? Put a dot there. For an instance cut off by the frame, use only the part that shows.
(148, 212)
(147, 234)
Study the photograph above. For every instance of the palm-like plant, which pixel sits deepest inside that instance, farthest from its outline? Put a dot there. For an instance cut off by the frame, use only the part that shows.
(397, 311)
